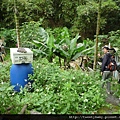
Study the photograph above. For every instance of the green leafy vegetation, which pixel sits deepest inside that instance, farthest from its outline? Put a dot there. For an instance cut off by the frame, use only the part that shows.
(79, 16)
(58, 32)
(55, 91)
(66, 87)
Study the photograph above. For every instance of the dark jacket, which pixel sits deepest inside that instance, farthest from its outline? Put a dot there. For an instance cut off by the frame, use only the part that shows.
(105, 62)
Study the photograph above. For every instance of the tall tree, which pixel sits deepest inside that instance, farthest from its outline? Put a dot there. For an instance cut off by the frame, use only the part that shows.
(97, 33)
(80, 15)
(17, 23)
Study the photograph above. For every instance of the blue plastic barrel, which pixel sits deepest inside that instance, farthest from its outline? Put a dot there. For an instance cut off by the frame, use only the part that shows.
(19, 75)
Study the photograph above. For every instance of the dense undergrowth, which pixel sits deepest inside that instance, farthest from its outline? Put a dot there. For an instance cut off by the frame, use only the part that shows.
(55, 90)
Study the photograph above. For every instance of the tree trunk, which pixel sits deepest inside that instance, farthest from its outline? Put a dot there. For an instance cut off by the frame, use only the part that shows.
(17, 23)
(97, 33)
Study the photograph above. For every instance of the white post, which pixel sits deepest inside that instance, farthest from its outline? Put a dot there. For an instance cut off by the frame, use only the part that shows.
(109, 45)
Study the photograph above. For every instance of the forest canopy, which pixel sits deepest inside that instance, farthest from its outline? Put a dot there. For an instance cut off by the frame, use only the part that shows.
(78, 15)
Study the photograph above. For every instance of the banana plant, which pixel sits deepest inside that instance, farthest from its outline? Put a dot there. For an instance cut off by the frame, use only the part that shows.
(45, 45)
(68, 49)
(74, 50)
(64, 48)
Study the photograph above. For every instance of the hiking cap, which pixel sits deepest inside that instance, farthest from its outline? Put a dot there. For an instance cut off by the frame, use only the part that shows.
(106, 47)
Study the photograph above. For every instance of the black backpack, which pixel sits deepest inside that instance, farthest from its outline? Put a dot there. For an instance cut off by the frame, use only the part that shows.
(112, 66)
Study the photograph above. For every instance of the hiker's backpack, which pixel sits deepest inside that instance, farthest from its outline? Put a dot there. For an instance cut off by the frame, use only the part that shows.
(118, 67)
(112, 66)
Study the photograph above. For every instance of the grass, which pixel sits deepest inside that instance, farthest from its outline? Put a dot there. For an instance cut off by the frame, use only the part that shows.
(7, 56)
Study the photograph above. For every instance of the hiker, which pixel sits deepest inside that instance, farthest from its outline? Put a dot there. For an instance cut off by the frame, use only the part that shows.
(116, 74)
(2, 52)
(105, 72)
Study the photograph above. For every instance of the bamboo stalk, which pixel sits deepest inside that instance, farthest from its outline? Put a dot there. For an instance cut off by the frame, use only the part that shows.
(97, 33)
(9, 108)
(23, 109)
(17, 23)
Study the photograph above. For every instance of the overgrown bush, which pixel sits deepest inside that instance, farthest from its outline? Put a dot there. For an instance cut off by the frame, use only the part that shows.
(28, 31)
(65, 91)
(5, 71)
(56, 91)
(7, 100)
(8, 35)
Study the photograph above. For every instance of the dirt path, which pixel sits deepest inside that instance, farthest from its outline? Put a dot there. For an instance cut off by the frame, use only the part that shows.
(113, 100)
(114, 105)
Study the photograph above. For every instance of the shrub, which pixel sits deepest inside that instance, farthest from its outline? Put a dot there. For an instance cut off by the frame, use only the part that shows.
(56, 91)
(65, 91)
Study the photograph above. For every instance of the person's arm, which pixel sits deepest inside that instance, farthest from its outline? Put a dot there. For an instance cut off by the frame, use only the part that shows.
(100, 58)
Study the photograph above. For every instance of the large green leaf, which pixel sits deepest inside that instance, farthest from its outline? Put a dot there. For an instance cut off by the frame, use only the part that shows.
(38, 43)
(80, 47)
(38, 51)
(50, 42)
(64, 53)
(83, 52)
(73, 44)
(44, 35)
